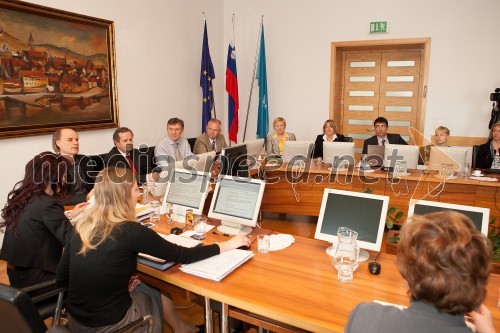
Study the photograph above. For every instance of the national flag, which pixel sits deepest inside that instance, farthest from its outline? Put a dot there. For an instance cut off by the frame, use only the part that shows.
(263, 110)
(232, 90)
(206, 76)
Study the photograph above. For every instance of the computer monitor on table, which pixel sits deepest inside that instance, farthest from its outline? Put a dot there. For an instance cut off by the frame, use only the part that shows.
(201, 162)
(480, 216)
(339, 154)
(187, 189)
(234, 161)
(375, 155)
(297, 150)
(362, 212)
(395, 154)
(254, 150)
(236, 202)
(455, 156)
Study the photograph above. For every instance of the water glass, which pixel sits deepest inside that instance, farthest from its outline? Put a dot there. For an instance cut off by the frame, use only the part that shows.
(200, 225)
(155, 211)
(170, 213)
(346, 269)
(263, 243)
(150, 187)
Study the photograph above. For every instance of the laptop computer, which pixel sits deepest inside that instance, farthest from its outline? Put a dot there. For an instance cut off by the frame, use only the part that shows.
(376, 155)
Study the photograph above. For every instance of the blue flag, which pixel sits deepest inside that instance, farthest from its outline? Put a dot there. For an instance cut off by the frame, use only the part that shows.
(206, 76)
(263, 111)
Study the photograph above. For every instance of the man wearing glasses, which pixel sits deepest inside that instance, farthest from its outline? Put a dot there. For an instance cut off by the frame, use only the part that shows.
(173, 146)
(211, 140)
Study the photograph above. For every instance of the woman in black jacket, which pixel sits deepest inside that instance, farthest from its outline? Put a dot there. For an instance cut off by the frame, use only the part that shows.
(329, 135)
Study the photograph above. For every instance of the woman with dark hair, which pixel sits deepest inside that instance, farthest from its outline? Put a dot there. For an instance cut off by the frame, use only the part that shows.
(446, 263)
(488, 154)
(329, 135)
(34, 222)
(101, 255)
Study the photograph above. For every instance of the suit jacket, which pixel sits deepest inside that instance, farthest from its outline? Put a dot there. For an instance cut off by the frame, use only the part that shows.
(203, 144)
(272, 147)
(41, 234)
(142, 163)
(484, 158)
(395, 139)
(318, 144)
(418, 317)
(79, 179)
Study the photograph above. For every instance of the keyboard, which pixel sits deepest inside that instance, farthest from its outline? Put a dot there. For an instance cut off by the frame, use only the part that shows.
(180, 240)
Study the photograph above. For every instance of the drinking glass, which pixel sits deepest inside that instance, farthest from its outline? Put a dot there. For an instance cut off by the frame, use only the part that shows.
(170, 212)
(155, 211)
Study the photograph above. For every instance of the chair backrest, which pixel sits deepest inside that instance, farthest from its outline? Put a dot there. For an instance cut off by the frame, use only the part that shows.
(18, 313)
(475, 150)
(191, 142)
(348, 139)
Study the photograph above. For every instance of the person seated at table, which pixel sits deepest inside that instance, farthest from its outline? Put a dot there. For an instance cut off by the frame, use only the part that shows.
(34, 222)
(329, 135)
(381, 136)
(446, 263)
(276, 142)
(488, 154)
(211, 140)
(441, 135)
(100, 257)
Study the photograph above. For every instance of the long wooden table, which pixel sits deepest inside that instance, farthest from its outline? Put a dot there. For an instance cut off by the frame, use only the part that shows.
(290, 191)
(298, 286)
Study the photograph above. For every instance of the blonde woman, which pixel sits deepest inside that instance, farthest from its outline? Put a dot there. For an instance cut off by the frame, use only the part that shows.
(100, 257)
(490, 150)
(329, 135)
(276, 142)
(441, 135)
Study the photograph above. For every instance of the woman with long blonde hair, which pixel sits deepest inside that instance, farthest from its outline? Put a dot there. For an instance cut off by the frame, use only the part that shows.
(101, 255)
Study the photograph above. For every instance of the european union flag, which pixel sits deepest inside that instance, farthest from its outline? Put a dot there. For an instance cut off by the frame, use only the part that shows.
(206, 76)
(263, 111)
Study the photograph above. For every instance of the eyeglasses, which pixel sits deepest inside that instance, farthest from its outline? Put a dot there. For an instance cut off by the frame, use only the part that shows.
(212, 129)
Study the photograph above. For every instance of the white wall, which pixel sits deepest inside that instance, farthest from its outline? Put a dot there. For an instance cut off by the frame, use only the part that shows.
(464, 61)
(158, 51)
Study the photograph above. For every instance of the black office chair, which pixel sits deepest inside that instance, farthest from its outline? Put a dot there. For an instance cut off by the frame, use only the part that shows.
(19, 313)
(191, 142)
(475, 150)
(348, 139)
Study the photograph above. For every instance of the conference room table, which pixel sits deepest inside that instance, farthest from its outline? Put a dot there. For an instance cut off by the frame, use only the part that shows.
(300, 190)
(295, 289)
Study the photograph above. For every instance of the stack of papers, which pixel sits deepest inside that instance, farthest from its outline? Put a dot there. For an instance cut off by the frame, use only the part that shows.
(142, 212)
(218, 267)
(280, 242)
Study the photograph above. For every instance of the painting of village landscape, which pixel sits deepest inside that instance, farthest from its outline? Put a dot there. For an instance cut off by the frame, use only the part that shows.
(56, 70)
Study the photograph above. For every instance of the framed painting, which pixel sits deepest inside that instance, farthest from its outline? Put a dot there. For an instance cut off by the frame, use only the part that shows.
(57, 69)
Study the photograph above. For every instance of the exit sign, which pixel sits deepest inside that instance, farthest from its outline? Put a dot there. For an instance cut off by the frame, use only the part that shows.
(379, 26)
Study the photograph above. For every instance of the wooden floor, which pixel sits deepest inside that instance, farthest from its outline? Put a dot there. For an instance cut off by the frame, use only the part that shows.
(297, 225)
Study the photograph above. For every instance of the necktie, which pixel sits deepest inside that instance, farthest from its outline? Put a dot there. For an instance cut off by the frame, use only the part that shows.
(178, 156)
(213, 145)
(383, 142)
(131, 163)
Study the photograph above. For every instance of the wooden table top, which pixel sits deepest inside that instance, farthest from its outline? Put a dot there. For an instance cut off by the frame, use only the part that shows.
(299, 286)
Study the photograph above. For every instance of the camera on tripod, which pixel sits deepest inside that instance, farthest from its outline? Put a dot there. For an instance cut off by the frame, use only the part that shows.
(495, 97)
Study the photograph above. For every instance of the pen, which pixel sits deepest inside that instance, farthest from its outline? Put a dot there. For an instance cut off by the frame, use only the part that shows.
(218, 233)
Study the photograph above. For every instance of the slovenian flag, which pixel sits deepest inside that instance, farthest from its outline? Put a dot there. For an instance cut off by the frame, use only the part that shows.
(232, 90)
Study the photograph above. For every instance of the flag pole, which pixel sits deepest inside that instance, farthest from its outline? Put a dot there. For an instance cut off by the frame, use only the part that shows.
(253, 77)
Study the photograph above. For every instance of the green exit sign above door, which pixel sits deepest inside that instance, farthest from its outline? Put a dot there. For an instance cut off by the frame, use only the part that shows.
(379, 26)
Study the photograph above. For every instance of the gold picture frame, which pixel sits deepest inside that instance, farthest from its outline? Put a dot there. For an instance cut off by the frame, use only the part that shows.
(57, 69)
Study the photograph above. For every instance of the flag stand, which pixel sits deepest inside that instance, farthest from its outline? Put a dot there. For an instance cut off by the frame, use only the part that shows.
(253, 77)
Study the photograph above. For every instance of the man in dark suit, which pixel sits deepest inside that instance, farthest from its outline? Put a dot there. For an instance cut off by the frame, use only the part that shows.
(123, 154)
(211, 140)
(382, 137)
(79, 168)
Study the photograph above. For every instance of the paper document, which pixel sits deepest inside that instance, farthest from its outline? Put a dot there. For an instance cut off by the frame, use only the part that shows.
(218, 267)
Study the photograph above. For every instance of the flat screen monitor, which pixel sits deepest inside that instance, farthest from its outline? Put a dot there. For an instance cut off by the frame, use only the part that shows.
(201, 162)
(236, 202)
(362, 212)
(187, 189)
(234, 161)
(375, 155)
(480, 216)
(395, 154)
(254, 150)
(300, 150)
(455, 156)
(339, 154)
